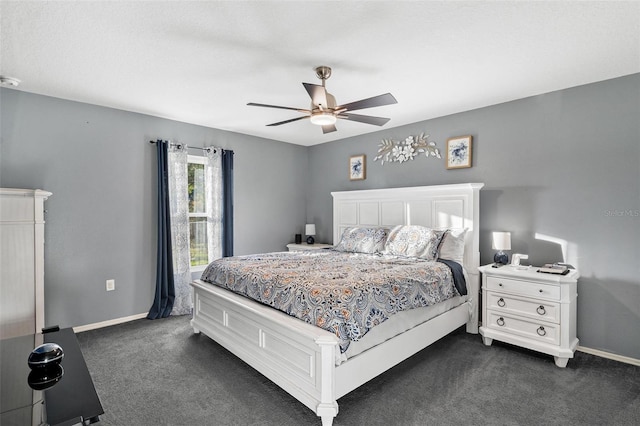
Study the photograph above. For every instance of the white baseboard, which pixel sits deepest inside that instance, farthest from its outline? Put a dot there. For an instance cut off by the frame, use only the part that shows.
(609, 355)
(102, 324)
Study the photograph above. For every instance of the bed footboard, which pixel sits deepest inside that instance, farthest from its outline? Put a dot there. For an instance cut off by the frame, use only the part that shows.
(298, 357)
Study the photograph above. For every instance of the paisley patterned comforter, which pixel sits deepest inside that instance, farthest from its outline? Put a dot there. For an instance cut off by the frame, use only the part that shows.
(344, 293)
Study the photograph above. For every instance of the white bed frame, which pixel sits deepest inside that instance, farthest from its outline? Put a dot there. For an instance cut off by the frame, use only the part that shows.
(299, 357)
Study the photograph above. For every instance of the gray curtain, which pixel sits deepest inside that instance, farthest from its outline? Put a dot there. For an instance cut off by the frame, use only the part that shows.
(227, 207)
(173, 292)
(165, 291)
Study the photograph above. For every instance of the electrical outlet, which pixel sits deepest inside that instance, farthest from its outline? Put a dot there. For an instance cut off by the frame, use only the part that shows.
(111, 285)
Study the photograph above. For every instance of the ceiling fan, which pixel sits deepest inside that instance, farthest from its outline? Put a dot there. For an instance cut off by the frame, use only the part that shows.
(324, 111)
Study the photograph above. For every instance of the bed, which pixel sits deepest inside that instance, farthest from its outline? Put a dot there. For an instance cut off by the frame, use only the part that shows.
(308, 361)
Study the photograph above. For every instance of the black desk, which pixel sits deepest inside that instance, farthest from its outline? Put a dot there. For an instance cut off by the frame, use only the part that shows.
(71, 401)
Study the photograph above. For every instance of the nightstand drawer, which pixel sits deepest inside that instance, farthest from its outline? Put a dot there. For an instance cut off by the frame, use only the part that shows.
(546, 311)
(543, 332)
(523, 288)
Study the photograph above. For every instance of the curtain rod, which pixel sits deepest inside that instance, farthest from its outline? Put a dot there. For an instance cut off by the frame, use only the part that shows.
(179, 145)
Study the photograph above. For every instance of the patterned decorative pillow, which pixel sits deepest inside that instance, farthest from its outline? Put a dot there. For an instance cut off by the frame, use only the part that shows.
(452, 245)
(363, 240)
(413, 241)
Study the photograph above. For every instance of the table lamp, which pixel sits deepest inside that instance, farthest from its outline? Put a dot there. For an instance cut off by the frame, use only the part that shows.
(501, 241)
(310, 231)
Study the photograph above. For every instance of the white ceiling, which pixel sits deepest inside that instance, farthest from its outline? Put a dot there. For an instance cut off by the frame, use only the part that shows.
(201, 62)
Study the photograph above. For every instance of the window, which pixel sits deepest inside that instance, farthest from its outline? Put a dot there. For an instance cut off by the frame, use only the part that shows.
(198, 212)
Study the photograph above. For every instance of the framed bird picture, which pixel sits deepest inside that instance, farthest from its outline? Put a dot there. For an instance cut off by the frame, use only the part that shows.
(358, 167)
(459, 152)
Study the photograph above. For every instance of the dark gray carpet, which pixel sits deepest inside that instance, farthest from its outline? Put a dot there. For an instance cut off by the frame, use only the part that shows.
(160, 373)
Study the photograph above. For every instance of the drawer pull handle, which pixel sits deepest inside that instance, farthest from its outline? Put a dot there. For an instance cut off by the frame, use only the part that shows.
(501, 302)
(540, 310)
(500, 321)
(540, 291)
(500, 284)
(541, 331)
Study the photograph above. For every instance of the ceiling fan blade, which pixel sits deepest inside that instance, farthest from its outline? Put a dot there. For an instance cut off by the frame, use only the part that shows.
(329, 128)
(280, 107)
(288, 121)
(376, 121)
(318, 94)
(376, 101)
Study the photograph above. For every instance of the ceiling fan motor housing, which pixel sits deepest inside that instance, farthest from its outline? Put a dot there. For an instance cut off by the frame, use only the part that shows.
(331, 103)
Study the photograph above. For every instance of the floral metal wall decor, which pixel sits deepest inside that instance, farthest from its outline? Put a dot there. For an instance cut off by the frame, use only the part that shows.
(400, 151)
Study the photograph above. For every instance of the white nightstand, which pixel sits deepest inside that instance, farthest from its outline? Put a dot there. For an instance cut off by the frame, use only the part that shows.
(305, 246)
(530, 309)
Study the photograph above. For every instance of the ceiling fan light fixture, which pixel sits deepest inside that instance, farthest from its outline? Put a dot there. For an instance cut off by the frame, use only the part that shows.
(323, 119)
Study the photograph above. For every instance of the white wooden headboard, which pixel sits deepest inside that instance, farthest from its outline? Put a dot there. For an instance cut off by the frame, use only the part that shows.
(437, 207)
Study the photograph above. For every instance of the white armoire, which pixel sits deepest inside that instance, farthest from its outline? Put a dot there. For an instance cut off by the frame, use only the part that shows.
(21, 261)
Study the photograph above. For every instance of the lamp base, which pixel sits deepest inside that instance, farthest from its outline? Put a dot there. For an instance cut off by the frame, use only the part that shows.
(310, 240)
(501, 258)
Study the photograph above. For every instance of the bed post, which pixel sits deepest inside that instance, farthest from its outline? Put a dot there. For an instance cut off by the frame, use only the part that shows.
(327, 409)
(474, 273)
(474, 292)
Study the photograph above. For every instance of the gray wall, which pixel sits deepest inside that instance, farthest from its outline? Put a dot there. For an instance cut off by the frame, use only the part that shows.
(564, 164)
(101, 221)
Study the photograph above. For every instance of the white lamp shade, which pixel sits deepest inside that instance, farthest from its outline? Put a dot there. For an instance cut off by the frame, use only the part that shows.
(501, 241)
(310, 229)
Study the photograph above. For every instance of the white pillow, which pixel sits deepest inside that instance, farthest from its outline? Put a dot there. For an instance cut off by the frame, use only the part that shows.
(413, 241)
(452, 246)
(362, 240)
